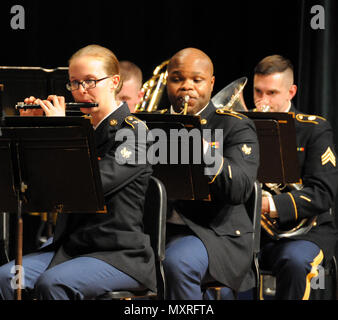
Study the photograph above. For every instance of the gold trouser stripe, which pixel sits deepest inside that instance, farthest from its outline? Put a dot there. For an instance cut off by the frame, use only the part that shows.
(313, 273)
(294, 204)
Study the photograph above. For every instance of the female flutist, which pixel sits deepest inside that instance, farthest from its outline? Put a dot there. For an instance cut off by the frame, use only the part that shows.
(91, 254)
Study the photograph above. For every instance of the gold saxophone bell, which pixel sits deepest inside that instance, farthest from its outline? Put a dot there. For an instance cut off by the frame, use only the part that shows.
(153, 89)
(271, 226)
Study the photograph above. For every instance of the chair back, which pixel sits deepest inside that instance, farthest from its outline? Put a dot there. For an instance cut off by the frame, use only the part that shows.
(155, 214)
(254, 207)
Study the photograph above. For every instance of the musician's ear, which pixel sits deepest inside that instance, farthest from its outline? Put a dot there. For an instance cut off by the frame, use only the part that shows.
(115, 81)
(292, 91)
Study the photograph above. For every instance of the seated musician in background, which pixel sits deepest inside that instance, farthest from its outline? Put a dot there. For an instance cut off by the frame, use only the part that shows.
(91, 254)
(132, 79)
(211, 240)
(294, 261)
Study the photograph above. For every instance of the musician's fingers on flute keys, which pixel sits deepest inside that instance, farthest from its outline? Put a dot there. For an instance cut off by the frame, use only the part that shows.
(30, 100)
(57, 100)
(54, 106)
(31, 112)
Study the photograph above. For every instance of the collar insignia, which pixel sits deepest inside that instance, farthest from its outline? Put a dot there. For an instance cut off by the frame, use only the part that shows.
(113, 122)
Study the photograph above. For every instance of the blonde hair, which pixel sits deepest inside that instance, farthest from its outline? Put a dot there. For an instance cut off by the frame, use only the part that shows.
(110, 62)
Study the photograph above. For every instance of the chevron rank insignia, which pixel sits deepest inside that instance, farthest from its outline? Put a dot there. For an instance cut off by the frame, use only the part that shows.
(328, 156)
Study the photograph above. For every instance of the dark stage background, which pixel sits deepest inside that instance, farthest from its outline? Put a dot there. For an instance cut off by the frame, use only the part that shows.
(235, 34)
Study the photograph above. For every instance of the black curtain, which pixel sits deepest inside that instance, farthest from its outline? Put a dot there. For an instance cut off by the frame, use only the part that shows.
(318, 67)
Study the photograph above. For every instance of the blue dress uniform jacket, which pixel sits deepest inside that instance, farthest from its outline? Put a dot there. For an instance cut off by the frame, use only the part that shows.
(319, 174)
(223, 224)
(115, 237)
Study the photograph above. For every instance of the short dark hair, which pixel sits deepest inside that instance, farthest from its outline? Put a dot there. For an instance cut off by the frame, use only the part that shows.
(130, 70)
(273, 64)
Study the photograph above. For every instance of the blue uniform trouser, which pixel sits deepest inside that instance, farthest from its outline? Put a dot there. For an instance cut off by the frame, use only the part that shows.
(79, 278)
(294, 263)
(186, 267)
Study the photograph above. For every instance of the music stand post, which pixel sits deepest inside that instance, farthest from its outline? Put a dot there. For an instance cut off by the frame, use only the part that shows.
(51, 166)
(19, 245)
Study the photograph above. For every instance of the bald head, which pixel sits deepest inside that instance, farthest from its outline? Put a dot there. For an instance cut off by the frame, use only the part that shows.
(190, 73)
(191, 55)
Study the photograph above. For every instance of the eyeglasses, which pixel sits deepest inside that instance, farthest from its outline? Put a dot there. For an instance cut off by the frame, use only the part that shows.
(86, 84)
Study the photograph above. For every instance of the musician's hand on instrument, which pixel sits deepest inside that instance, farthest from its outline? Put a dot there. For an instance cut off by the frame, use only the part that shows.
(31, 112)
(273, 214)
(267, 210)
(54, 106)
(265, 205)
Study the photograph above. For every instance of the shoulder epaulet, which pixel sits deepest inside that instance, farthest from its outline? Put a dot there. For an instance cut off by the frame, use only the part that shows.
(132, 121)
(230, 113)
(309, 118)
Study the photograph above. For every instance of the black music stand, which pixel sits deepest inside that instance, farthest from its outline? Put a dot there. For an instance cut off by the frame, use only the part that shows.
(278, 149)
(183, 181)
(48, 164)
